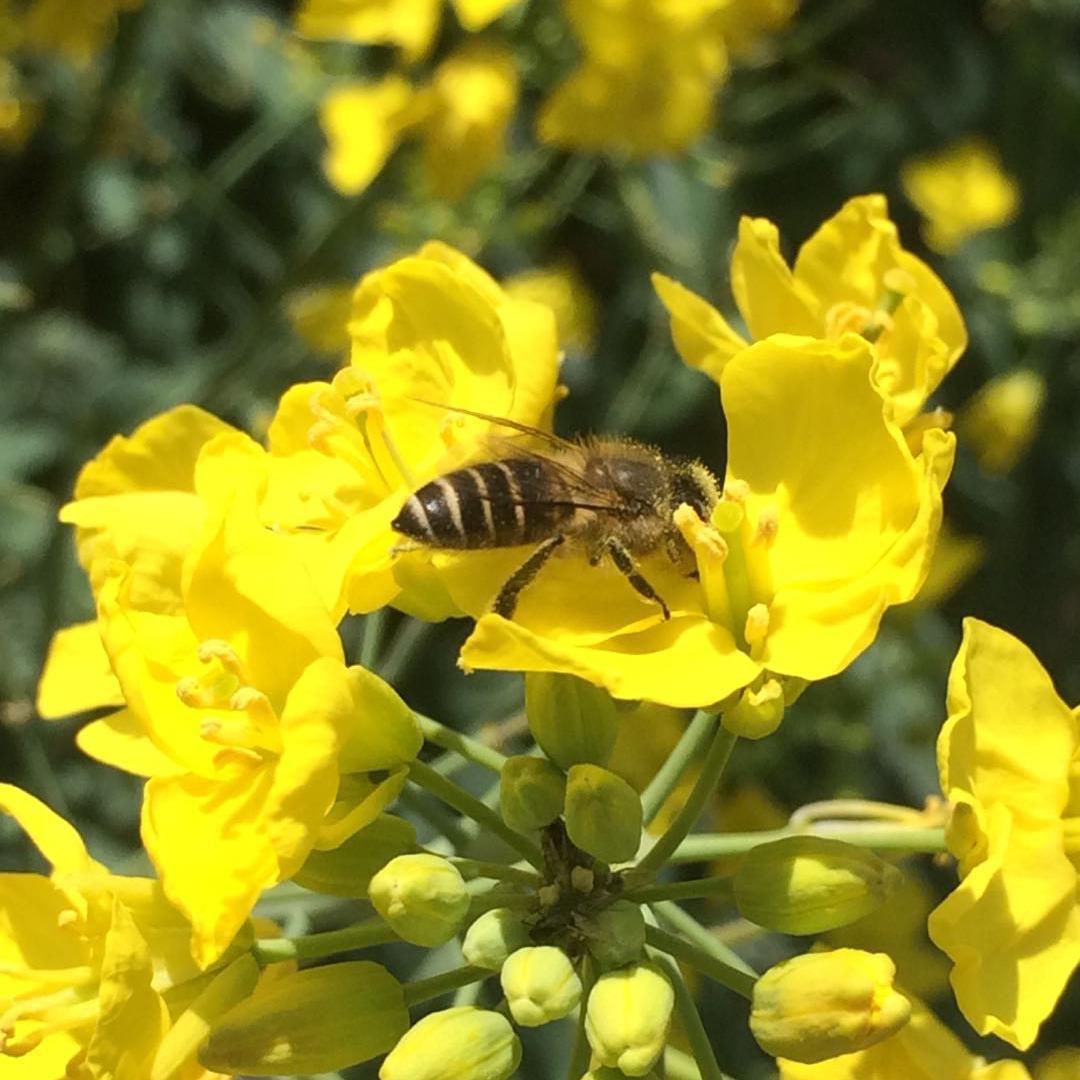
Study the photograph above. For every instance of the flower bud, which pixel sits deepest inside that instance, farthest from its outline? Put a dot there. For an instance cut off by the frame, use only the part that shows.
(493, 937)
(531, 792)
(627, 1018)
(540, 985)
(465, 1043)
(573, 721)
(809, 884)
(757, 713)
(313, 1021)
(423, 897)
(616, 935)
(821, 1005)
(602, 1072)
(603, 814)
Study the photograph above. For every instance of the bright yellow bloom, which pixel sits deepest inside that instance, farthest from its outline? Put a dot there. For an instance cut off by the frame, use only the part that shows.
(923, 1049)
(960, 190)
(1009, 759)
(86, 961)
(851, 275)
(647, 80)
(241, 712)
(409, 24)
(320, 317)
(429, 331)
(1001, 420)
(77, 29)
(828, 519)
(562, 289)
(461, 118)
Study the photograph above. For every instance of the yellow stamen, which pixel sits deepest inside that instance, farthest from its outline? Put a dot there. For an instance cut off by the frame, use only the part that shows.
(216, 649)
(67, 917)
(757, 626)
(768, 524)
(847, 317)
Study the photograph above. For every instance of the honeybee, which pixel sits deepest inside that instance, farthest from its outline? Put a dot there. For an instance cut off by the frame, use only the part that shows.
(608, 496)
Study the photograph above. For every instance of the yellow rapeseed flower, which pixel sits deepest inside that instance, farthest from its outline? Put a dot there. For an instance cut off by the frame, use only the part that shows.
(647, 80)
(86, 961)
(562, 289)
(851, 275)
(828, 518)
(1002, 418)
(1009, 759)
(77, 29)
(923, 1049)
(960, 190)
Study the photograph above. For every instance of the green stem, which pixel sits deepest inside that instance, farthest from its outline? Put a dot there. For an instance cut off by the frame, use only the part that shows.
(700, 960)
(681, 890)
(467, 747)
(705, 846)
(582, 1052)
(683, 822)
(464, 803)
(692, 1026)
(474, 868)
(360, 935)
(675, 918)
(416, 993)
(371, 641)
(697, 736)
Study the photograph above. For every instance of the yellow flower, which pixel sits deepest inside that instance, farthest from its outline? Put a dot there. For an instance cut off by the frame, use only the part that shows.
(923, 1049)
(1002, 419)
(461, 118)
(428, 331)
(955, 559)
(745, 22)
(647, 80)
(19, 113)
(851, 275)
(320, 317)
(241, 712)
(77, 29)
(960, 190)
(409, 24)
(471, 101)
(562, 289)
(828, 518)
(1009, 759)
(86, 961)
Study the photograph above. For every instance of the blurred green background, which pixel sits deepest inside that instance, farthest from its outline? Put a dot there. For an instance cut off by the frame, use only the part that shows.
(167, 203)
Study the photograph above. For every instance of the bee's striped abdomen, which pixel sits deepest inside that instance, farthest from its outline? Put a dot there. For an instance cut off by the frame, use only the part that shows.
(497, 504)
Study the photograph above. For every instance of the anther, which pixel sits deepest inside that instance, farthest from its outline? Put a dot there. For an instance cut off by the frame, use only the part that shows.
(66, 918)
(757, 625)
(768, 524)
(217, 649)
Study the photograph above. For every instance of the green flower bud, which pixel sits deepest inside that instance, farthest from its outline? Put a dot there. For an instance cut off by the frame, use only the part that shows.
(313, 1021)
(423, 897)
(821, 1005)
(540, 985)
(493, 937)
(465, 1043)
(627, 1018)
(809, 884)
(573, 721)
(602, 1072)
(347, 870)
(616, 935)
(531, 792)
(603, 814)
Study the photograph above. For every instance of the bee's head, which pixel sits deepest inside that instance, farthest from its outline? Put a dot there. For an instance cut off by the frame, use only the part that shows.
(693, 484)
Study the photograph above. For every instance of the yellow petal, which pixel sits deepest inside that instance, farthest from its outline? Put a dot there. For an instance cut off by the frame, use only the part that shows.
(476, 14)
(360, 801)
(410, 24)
(382, 732)
(31, 914)
(1012, 928)
(702, 335)
(1009, 738)
(685, 662)
(207, 839)
(121, 741)
(363, 124)
(133, 1016)
(77, 675)
(57, 841)
(770, 298)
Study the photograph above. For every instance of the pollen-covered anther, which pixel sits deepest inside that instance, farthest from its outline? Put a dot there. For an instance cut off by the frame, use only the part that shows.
(363, 402)
(757, 625)
(193, 694)
(67, 917)
(847, 317)
(216, 649)
(704, 539)
(768, 524)
(248, 699)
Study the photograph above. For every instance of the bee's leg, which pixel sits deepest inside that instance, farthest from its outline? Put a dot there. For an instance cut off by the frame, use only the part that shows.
(625, 562)
(507, 599)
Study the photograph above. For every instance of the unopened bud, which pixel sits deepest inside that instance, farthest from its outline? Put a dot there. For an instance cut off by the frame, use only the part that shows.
(757, 713)
(465, 1043)
(603, 814)
(573, 721)
(531, 792)
(493, 937)
(616, 935)
(423, 897)
(627, 1017)
(821, 1005)
(810, 884)
(602, 1072)
(540, 985)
